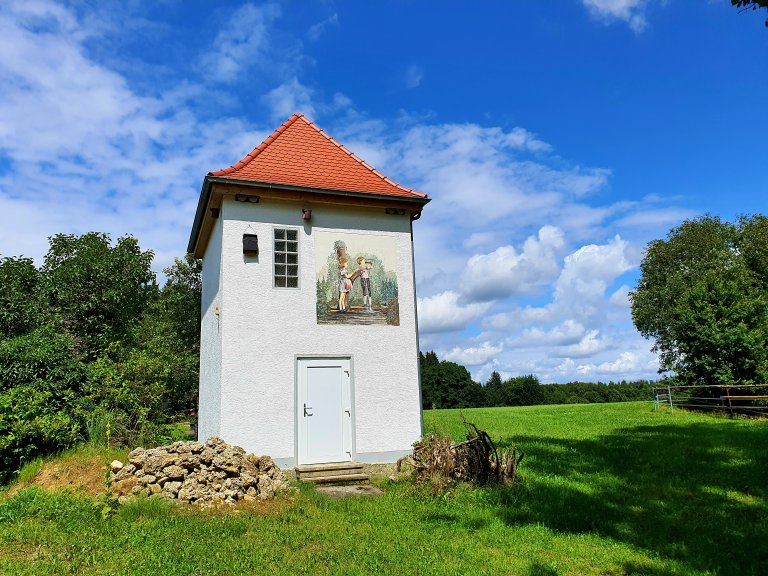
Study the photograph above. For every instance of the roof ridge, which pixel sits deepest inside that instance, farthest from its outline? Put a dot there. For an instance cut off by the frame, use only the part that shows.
(260, 148)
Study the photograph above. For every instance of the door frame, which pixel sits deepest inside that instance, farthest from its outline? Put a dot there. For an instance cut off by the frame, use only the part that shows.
(297, 405)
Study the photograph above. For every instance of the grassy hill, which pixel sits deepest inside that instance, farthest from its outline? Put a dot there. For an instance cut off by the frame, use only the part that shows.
(606, 489)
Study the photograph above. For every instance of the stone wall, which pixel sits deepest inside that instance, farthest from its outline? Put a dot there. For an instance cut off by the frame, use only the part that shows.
(214, 472)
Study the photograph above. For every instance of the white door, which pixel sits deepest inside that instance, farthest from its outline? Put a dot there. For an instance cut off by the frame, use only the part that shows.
(324, 410)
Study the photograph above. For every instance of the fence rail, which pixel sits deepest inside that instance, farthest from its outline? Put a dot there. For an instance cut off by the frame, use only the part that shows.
(737, 398)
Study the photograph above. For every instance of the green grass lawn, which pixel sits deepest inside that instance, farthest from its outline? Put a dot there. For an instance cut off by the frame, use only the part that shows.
(605, 489)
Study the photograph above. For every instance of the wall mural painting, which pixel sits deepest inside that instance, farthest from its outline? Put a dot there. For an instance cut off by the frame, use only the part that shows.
(356, 279)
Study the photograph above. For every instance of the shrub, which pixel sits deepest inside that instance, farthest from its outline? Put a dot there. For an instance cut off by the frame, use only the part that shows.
(40, 380)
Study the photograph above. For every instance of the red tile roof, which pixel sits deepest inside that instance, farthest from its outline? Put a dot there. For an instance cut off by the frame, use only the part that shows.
(299, 153)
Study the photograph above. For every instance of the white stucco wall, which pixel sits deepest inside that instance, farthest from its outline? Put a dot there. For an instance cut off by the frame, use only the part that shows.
(209, 412)
(263, 329)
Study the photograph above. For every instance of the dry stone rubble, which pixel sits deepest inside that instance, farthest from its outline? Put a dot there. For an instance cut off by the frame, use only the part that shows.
(202, 473)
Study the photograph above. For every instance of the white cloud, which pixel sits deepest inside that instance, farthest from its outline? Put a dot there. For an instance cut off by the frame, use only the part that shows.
(661, 217)
(443, 312)
(288, 98)
(413, 76)
(477, 239)
(244, 41)
(473, 356)
(630, 11)
(568, 332)
(626, 363)
(588, 273)
(85, 151)
(589, 345)
(505, 272)
(620, 298)
(317, 30)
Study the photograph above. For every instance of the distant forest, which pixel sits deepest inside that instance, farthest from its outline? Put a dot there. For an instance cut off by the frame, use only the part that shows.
(449, 385)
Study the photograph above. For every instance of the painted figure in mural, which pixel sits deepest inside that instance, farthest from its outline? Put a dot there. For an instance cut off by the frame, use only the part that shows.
(345, 285)
(364, 271)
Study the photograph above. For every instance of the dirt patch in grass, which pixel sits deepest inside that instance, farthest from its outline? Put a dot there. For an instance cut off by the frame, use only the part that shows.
(350, 490)
(83, 474)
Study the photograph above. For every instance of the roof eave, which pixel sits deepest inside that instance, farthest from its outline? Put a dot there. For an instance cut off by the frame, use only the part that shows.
(205, 194)
(202, 202)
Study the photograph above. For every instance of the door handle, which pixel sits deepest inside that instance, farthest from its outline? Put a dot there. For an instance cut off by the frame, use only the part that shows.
(348, 411)
(307, 408)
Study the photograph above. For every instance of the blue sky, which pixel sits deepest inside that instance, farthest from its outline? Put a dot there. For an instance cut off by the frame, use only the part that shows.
(556, 140)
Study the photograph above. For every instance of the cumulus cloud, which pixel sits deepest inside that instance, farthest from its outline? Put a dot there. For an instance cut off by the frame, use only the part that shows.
(290, 97)
(589, 345)
(505, 272)
(588, 273)
(632, 12)
(567, 332)
(444, 313)
(474, 355)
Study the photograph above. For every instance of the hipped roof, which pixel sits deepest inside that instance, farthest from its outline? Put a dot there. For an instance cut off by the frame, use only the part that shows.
(299, 158)
(299, 153)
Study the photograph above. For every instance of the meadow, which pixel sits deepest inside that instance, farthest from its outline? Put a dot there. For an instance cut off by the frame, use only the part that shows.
(604, 489)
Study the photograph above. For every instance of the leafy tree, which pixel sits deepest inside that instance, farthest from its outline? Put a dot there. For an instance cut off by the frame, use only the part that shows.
(447, 384)
(169, 333)
(98, 290)
(522, 391)
(750, 5)
(703, 298)
(145, 384)
(20, 308)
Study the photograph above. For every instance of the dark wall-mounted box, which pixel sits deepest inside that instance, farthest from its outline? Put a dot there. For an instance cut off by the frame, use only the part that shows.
(250, 244)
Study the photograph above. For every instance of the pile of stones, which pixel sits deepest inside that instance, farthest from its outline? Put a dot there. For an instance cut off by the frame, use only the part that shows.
(210, 473)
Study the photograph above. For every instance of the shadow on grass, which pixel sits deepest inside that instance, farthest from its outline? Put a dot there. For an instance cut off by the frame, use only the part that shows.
(693, 493)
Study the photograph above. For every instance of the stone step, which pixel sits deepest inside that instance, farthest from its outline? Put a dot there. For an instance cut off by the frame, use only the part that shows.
(337, 479)
(334, 469)
(336, 472)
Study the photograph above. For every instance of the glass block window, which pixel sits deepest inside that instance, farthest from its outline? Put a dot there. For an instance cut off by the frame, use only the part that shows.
(286, 258)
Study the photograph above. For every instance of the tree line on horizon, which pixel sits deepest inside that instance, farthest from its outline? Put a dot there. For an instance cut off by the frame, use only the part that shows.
(446, 384)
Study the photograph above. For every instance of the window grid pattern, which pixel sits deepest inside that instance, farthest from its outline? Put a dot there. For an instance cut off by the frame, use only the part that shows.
(286, 251)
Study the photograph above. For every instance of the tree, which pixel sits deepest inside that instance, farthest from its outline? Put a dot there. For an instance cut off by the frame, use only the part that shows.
(169, 333)
(703, 298)
(522, 391)
(155, 377)
(447, 384)
(493, 390)
(750, 5)
(20, 308)
(98, 291)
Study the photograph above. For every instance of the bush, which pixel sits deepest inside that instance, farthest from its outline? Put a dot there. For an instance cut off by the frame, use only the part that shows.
(40, 380)
(134, 391)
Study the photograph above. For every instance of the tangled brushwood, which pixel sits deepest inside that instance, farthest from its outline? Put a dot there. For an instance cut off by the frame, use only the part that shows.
(441, 462)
